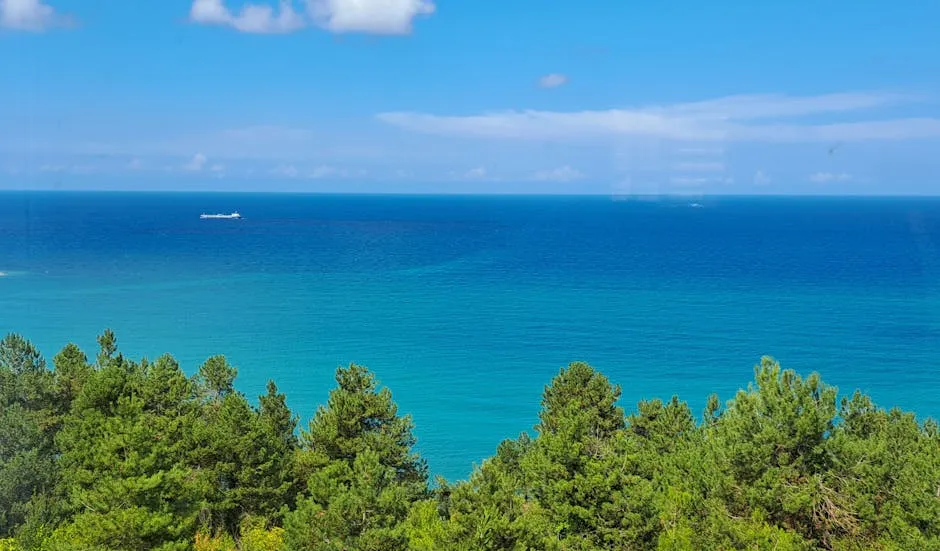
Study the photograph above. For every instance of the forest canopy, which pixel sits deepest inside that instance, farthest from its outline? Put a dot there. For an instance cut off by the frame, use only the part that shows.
(110, 453)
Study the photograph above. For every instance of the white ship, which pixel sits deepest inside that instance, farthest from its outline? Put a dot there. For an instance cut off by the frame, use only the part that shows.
(233, 216)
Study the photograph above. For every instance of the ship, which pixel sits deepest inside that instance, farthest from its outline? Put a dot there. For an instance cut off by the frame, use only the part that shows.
(232, 216)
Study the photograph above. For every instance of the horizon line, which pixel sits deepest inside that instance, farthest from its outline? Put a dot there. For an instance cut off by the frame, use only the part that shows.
(613, 195)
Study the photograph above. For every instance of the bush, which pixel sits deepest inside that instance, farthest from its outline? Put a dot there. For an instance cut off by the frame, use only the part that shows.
(218, 542)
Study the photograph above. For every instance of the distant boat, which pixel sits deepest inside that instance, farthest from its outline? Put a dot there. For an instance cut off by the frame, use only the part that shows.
(233, 216)
(696, 205)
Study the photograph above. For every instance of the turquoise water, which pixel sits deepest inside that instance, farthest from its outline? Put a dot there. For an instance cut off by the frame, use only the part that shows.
(467, 306)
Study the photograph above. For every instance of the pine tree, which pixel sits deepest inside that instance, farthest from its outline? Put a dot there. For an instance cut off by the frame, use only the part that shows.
(571, 469)
(27, 429)
(362, 473)
(244, 454)
(72, 371)
(123, 463)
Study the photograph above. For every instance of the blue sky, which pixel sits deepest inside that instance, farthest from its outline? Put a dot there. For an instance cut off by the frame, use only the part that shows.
(471, 96)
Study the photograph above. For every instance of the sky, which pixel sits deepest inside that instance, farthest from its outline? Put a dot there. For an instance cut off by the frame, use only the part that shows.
(472, 96)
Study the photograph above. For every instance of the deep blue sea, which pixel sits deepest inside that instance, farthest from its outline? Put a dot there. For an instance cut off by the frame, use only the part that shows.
(465, 307)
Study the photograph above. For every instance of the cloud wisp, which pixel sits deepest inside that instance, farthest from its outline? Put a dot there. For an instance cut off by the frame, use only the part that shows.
(197, 163)
(561, 175)
(700, 180)
(387, 17)
(763, 118)
(30, 15)
(827, 177)
(478, 173)
(553, 80)
(761, 178)
(320, 172)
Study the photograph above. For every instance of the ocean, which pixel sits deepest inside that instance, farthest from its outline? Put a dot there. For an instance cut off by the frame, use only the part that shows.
(467, 306)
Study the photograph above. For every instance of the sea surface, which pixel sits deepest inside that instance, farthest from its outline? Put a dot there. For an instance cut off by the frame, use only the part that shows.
(465, 307)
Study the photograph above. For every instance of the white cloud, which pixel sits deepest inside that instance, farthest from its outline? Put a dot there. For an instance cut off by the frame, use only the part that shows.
(538, 124)
(197, 163)
(761, 179)
(770, 106)
(553, 80)
(826, 177)
(562, 174)
(29, 15)
(322, 172)
(326, 171)
(733, 118)
(390, 17)
(369, 16)
(700, 180)
(317, 173)
(286, 171)
(252, 18)
(477, 173)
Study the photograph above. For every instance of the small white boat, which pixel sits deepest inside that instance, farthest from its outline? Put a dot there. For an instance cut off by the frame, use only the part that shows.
(232, 216)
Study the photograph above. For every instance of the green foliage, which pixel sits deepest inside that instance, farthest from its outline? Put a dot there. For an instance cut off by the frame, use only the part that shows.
(581, 403)
(221, 541)
(575, 486)
(28, 421)
(125, 455)
(358, 417)
(773, 440)
(886, 472)
(72, 371)
(774, 469)
(254, 535)
(217, 377)
(257, 536)
(18, 356)
(244, 456)
(107, 348)
(362, 475)
(424, 529)
(124, 471)
(575, 470)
